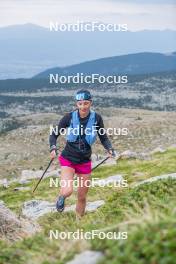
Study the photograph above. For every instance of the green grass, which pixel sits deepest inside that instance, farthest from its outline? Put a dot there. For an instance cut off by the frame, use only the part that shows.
(153, 243)
(146, 212)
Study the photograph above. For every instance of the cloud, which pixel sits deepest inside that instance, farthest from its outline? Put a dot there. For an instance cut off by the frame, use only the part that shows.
(146, 1)
(137, 14)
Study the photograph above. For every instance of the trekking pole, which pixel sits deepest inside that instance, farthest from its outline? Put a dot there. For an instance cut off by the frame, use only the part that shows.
(103, 162)
(100, 163)
(57, 149)
(43, 175)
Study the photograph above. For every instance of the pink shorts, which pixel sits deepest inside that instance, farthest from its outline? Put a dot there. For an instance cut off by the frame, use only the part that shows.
(82, 168)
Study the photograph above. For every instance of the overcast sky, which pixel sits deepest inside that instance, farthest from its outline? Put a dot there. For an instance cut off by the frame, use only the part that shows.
(138, 14)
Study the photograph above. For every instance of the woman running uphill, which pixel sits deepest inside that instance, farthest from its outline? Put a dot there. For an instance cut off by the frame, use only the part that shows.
(76, 156)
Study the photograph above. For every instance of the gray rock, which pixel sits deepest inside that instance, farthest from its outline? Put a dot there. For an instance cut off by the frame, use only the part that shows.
(144, 156)
(129, 154)
(1, 203)
(106, 163)
(87, 257)
(156, 178)
(14, 228)
(35, 208)
(90, 207)
(5, 183)
(138, 174)
(21, 188)
(112, 179)
(23, 181)
(53, 173)
(158, 150)
(173, 146)
(30, 174)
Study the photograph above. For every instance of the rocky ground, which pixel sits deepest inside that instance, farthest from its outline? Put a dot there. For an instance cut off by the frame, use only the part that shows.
(27, 146)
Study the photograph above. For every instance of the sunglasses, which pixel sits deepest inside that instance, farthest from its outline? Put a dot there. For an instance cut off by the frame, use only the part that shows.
(82, 96)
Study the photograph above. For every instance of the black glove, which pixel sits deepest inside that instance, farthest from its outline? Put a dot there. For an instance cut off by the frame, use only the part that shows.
(112, 152)
(53, 148)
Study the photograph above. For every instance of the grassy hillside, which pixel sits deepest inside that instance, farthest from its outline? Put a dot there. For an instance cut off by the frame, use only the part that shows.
(147, 213)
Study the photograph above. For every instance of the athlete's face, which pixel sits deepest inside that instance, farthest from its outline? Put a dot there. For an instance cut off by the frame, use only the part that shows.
(84, 106)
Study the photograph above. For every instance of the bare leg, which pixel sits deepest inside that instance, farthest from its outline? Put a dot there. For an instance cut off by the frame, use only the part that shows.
(67, 174)
(83, 187)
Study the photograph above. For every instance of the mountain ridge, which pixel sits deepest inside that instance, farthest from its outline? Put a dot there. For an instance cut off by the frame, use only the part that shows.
(138, 63)
(28, 49)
